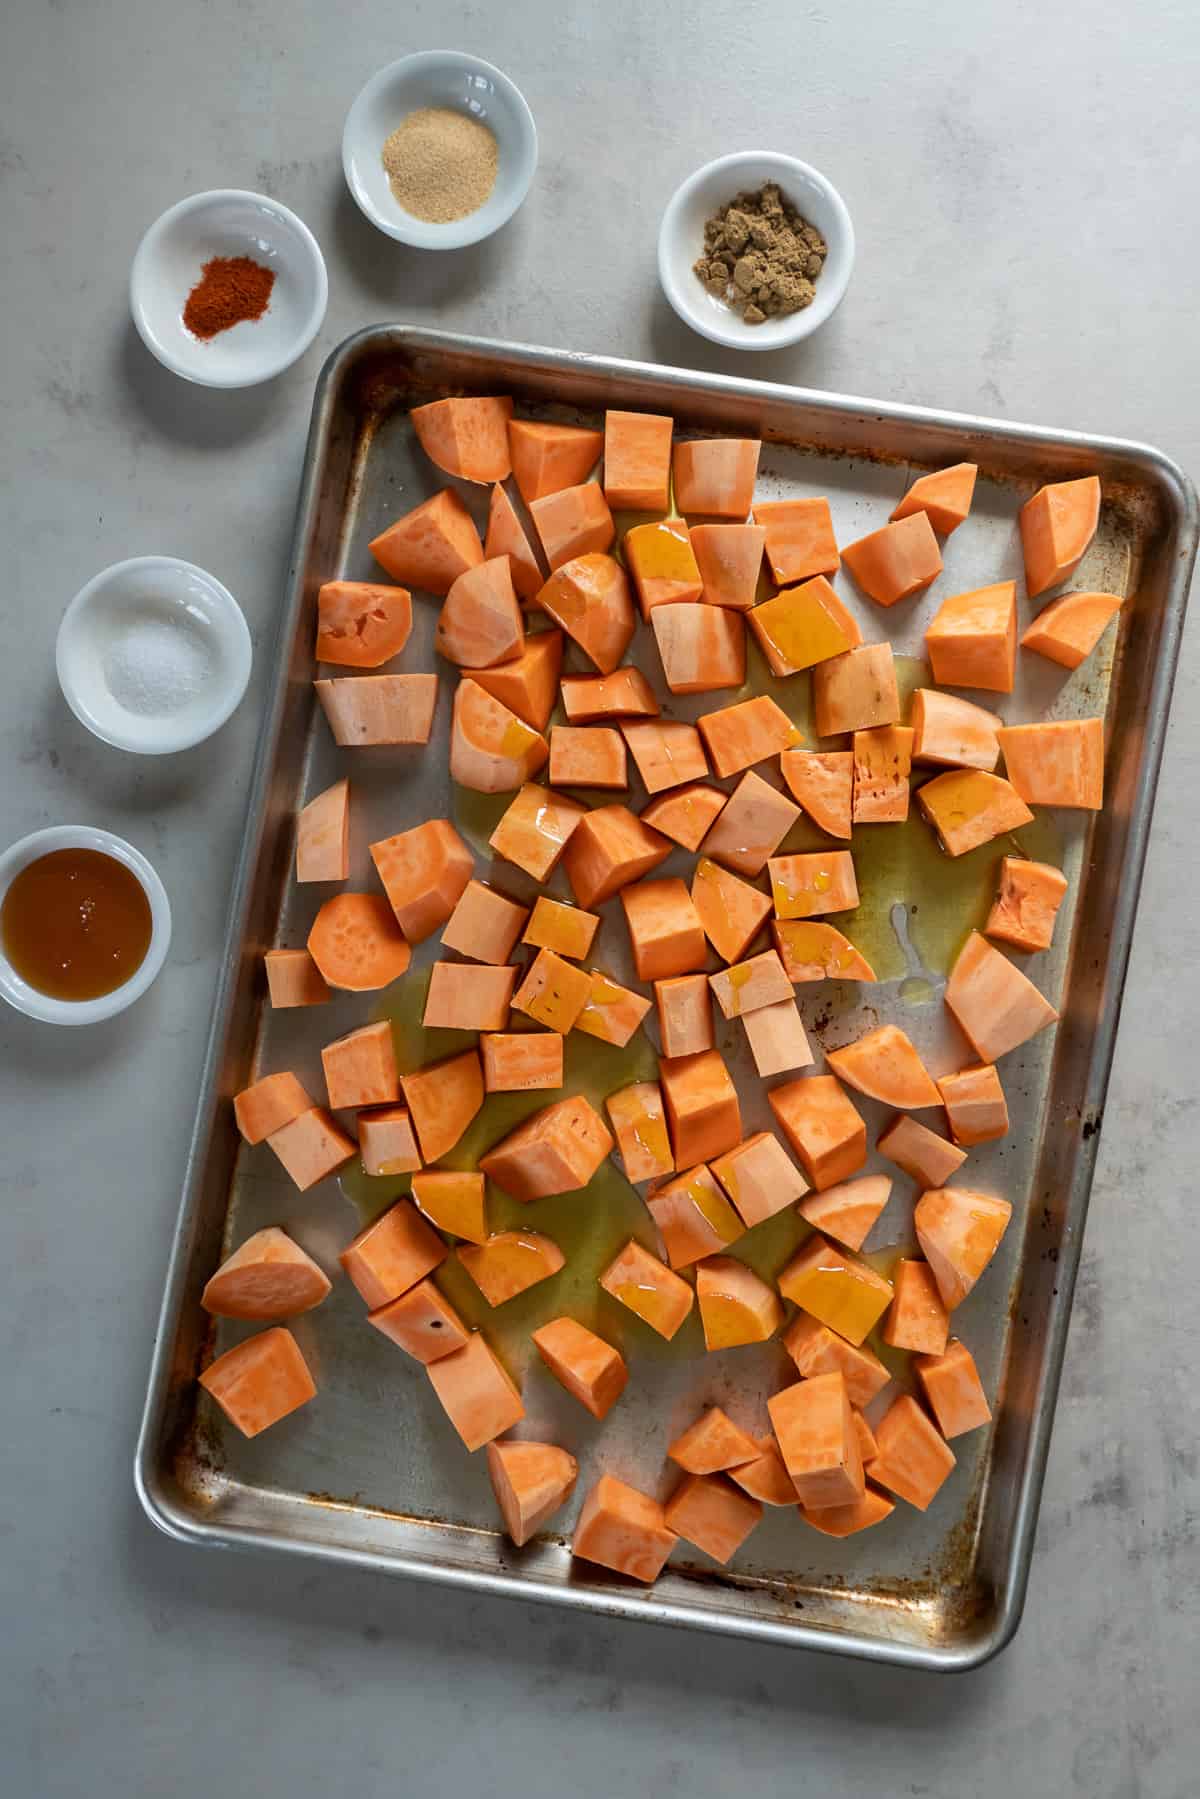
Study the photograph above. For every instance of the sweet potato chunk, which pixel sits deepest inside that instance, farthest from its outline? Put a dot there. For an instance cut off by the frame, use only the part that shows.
(713, 1515)
(1026, 906)
(587, 756)
(952, 732)
(491, 749)
(920, 1152)
(528, 685)
(323, 836)
(476, 1392)
(591, 1370)
(702, 1106)
(685, 814)
(480, 623)
(848, 1520)
(622, 1529)
(467, 437)
(268, 1277)
(625, 693)
(729, 558)
(685, 1022)
(702, 648)
(884, 1065)
(736, 1305)
(748, 986)
(456, 1201)
(664, 929)
(1057, 525)
(751, 827)
(567, 930)
(553, 992)
(468, 997)
(360, 1070)
(361, 624)
(715, 476)
(661, 564)
(777, 1038)
(693, 1216)
(484, 925)
(713, 1444)
(895, 561)
(766, 1478)
(959, 1232)
(572, 523)
(857, 690)
(260, 1381)
(365, 711)
(952, 1387)
(431, 546)
(506, 536)
(822, 1126)
(391, 1255)
(268, 1104)
(531, 1482)
(1069, 629)
(637, 460)
(643, 1284)
(509, 1263)
(558, 1150)
(803, 626)
(848, 1211)
(731, 912)
(424, 872)
(311, 1147)
(443, 1099)
(751, 731)
(816, 882)
(882, 765)
(817, 1440)
(996, 1005)
(975, 1105)
(547, 458)
(608, 849)
(972, 641)
(293, 979)
(387, 1141)
(1057, 763)
(611, 1012)
(588, 595)
(916, 1319)
(836, 1288)
(639, 1124)
(521, 1061)
(800, 541)
(667, 752)
(914, 1459)
(357, 944)
(811, 950)
(816, 1349)
(823, 783)
(759, 1178)
(944, 497)
(535, 830)
(422, 1322)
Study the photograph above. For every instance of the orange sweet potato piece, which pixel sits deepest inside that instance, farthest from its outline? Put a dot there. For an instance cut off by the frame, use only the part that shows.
(484, 925)
(777, 1038)
(854, 691)
(884, 1065)
(959, 1232)
(357, 944)
(361, 624)
(685, 814)
(587, 756)
(268, 1277)
(1057, 763)
(666, 752)
(920, 1152)
(293, 979)
(510, 1262)
(443, 1098)
(729, 558)
(815, 1431)
(867, 1446)
(622, 1529)
(895, 561)
(835, 1287)
(528, 685)
(608, 849)
(531, 1482)
(975, 1105)
(1057, 525)
(953, 732)
(711, 1514)
(455, 1201)
(468, 997)
(491, 749)
(480, 623)
(506, 536)
(588, 595)
(664, 929)
(625, 693)
(953, 1389)
(967, 807)
(914, 1459)
(759, 1178)
(803, 626)
(521, 1061)
(685, 1023)
(554, 992)
(816, 1349)
(660, 561)
(882, 765)
(848, 1211)
(260, 1381)
(748, 986)
(751, 826)
(547, 458)
(736, 1305)
(391, 1255)
(972, 641)
(823, 783)
(917, 1319)
(815, 882)
(366, 711)
(738, 736)
(702, 1106)
(323, 836)
(387, 1141)
(571, 523)
(424, 872)
(591, 1370)
(731, 911)
(1069, 629)
(431, 546)
(637, 460)
(765, 1478)
(847, 1520)
(639, 1125)
(693, 1216)
(534, 831)
(268, 1104)
(567, 930)
(822, 1126)
(1026, 906)
(702, 648)
(466, 437)
(644, 1285)
(715, 476)
(360, 1069)
(713, 1444)
(311, 1146)
(800, 541)
(944, 496)
(558, 1150)
(476, 1392)
(811, 950)
(996, 1005)
(611, 1012)
(422, 1322)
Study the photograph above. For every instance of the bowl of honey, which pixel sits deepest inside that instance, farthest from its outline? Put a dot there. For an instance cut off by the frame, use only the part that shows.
(85, 925)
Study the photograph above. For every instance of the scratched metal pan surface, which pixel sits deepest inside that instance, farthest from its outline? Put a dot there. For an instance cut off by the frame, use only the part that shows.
(371, 1472)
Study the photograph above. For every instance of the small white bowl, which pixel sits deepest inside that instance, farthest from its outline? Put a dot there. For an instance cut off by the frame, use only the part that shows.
(465, 84)
(28, 999)
(681, 241)
(169, 260)
(137, 604)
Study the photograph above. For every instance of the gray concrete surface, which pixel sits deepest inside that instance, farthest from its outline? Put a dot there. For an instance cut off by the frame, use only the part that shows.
(1024, 178)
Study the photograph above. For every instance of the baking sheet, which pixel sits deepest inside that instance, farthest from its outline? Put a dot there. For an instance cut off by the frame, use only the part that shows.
(372, 1471)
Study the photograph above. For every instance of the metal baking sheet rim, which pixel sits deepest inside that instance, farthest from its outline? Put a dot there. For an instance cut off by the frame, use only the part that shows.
(1179, 497)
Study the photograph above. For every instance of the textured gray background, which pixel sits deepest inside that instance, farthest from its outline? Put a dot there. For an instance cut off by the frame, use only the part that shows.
(1024, 179)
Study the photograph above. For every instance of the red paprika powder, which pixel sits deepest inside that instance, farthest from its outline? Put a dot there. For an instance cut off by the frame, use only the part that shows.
(230, 290)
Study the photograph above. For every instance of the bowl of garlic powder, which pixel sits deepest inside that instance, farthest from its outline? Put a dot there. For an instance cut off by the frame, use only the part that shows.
(439, 149)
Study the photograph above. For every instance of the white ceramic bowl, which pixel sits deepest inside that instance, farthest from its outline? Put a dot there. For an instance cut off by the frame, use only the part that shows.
(28, 999)
(144, 600)
(167, 266)
(438, 78)
(681, 240)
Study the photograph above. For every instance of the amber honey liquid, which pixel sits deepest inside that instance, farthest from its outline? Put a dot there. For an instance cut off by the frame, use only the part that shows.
(76, 924)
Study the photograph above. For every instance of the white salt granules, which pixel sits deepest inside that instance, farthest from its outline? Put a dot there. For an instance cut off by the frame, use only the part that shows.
(157, 666)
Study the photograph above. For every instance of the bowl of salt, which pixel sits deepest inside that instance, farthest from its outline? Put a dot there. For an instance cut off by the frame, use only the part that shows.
(153, 655)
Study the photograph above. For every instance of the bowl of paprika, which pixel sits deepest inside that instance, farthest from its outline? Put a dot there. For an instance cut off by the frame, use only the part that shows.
(228, 288)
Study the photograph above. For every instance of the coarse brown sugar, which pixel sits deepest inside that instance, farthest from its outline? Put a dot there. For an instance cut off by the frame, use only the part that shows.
(761, 257)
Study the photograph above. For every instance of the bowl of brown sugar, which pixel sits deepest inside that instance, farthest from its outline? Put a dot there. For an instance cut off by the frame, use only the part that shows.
(439, 149)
